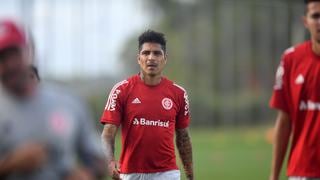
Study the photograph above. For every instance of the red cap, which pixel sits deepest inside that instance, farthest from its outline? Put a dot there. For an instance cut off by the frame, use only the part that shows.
(11, 35)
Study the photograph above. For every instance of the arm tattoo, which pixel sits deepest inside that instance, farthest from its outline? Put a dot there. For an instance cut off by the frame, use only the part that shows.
(185, 151)
(108, 140)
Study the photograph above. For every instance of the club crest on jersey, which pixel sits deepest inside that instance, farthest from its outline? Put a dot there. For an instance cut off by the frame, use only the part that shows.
(59, 122)
(167, 103)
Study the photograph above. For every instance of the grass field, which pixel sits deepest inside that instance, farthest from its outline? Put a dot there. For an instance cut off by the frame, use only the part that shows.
(232, 153)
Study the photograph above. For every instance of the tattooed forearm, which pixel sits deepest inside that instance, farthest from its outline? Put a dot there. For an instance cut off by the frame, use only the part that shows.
(108, 140)
(185, 151)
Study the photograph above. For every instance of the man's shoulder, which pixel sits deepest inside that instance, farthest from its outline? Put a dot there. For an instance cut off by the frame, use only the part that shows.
(126, 83)
(179, 87)
(133, 79)
(297, 50)
(175, 87)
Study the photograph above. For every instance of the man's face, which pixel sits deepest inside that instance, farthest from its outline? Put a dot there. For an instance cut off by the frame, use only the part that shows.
(312, 20)
(151, 59)
(13, 71)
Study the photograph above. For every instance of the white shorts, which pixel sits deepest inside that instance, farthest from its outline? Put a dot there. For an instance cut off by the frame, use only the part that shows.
(303, 178)
(167, 175)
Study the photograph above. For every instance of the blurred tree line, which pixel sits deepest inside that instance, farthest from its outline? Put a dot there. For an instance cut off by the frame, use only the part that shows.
(225, 53)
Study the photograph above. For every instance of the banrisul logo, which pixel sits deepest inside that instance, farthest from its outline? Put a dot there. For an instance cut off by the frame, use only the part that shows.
(147, 122)
(136, 121)
(309, 105)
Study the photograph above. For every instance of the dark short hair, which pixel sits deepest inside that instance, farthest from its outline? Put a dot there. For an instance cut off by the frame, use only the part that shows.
(306, 2)
(309, 1)
(4, 53)
(152, 37)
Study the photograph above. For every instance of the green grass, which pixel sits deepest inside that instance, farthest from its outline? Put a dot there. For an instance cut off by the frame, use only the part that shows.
(228, 154)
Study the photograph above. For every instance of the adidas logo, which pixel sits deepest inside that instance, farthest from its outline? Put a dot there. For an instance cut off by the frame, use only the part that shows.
(136, 101)
(299, 79)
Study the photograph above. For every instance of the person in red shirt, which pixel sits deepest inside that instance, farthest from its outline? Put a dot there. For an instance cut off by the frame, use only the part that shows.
(150, 110)
(296, 95)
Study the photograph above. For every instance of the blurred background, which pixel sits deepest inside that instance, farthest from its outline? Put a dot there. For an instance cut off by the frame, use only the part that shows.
(224, 52)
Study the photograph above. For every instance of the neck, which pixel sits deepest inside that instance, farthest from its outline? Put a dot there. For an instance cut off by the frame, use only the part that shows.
(150, 80)
(316, 47)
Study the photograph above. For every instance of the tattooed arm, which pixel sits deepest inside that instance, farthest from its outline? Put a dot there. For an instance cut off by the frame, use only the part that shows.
(185, 151)
(108, 143)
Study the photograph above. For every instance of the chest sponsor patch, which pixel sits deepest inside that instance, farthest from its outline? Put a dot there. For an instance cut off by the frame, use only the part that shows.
(309, 105)
(146, 122)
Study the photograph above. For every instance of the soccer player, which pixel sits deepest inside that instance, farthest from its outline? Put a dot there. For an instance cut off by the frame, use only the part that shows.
(296, 96)
(44, 131)
(150, 109)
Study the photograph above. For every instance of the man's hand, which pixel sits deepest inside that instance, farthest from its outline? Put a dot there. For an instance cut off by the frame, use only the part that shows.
(27, 157)
(80, 173)
(273, 178)
(113, 170)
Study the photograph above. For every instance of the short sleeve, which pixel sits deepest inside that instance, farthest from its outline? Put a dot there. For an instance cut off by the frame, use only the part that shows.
(114, 106)
(280, 96)
(183, 117)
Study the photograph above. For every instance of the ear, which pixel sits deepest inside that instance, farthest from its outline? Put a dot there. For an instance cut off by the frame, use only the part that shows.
(138, 58)
(304, 20)
(165, 58)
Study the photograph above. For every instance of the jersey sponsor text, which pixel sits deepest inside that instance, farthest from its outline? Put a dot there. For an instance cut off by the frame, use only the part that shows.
(309, 105)
(146, 122)
(113, 96)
